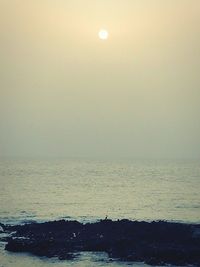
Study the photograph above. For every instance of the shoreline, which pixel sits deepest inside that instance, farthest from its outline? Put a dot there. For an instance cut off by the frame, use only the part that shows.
(155, 243)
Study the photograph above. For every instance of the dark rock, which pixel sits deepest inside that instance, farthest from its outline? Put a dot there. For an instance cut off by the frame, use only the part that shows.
(1, 227)
(155, 243)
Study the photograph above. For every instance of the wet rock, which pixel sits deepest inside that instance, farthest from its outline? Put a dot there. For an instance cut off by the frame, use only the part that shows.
(155, 243)
(1, 227)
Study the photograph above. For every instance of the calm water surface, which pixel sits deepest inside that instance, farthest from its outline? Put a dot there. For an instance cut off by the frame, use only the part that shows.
(88, 190)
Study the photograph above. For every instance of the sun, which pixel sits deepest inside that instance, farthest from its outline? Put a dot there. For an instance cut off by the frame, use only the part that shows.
(103, 34)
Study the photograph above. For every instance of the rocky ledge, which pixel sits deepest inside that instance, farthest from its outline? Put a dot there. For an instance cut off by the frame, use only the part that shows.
(155, 243)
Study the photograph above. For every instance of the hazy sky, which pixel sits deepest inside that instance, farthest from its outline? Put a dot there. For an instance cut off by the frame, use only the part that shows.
(65, 92)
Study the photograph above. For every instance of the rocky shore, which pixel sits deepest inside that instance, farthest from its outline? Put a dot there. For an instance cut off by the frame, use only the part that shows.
(155, 243)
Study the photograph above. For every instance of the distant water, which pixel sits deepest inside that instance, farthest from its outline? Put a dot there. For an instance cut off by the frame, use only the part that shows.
(88, 190)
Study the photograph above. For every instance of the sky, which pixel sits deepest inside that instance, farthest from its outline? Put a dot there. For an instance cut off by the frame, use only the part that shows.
(66, 93)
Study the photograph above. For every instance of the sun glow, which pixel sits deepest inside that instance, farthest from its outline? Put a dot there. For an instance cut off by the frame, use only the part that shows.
(103, 34)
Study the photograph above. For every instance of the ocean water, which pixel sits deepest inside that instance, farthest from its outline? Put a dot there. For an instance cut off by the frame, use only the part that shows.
(89, 190)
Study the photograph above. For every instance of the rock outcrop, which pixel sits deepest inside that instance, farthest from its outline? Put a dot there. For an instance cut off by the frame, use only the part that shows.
(155, 243)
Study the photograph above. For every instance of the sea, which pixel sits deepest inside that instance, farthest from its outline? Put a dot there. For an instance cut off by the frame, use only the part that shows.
(88, 190)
